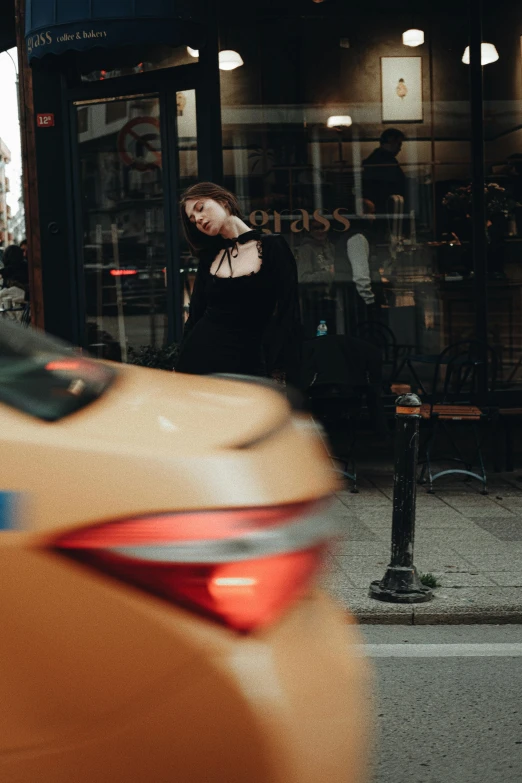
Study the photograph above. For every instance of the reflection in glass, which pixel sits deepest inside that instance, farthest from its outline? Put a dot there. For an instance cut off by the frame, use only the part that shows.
(153, 59)
(188, 175)
(306, 151)
(124, 257)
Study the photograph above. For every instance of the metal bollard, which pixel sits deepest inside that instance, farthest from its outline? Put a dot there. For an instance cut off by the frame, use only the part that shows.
(401, 583)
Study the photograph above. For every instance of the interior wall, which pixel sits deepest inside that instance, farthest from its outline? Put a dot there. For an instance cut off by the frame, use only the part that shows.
(300, 61)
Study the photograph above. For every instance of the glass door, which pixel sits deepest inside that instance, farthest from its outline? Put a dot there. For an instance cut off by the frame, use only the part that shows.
(135, 153)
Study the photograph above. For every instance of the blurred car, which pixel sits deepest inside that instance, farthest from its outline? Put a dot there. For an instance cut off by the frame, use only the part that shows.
(161, 538)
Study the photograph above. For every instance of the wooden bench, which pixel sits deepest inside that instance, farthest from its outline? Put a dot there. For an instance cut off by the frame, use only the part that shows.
(451, 412)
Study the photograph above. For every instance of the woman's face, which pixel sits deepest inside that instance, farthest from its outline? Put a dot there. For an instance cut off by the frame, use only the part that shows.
(207, 215)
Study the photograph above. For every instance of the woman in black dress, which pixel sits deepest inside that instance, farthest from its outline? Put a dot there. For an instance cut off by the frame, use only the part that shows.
(244, 309)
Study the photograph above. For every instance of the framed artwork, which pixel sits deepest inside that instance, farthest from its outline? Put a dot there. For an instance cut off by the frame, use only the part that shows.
(401, 89)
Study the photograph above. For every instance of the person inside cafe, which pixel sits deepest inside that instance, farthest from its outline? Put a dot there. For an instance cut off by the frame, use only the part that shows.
(382, 173)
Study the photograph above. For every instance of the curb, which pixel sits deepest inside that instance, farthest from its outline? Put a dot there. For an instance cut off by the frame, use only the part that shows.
(469, 617)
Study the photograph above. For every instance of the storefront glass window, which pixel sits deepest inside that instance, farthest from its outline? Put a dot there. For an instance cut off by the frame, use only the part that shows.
(188, 175)
(124, 254)
(346, 140)
(502, 28)
(152, 59)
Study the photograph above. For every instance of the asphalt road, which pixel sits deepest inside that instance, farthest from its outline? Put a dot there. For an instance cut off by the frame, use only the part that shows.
(449, 703)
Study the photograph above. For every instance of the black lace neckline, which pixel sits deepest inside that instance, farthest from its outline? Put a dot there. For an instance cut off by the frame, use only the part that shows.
(242, 239)
(230, 248)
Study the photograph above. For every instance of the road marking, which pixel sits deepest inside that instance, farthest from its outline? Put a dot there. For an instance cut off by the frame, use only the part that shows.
(504, 650)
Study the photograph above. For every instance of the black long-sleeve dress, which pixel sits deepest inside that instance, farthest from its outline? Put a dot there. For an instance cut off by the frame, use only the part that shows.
(248, 325)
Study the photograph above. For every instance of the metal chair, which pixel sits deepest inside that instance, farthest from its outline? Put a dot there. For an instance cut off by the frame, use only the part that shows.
(341, 375)
(26, 315)
(338, 408)
(455, 397)
(394, 355)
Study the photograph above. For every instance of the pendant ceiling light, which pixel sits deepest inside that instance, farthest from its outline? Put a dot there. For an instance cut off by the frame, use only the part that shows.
(413, 37)
(228, 60)
(193, 52)
(488, 54)
(338, 121)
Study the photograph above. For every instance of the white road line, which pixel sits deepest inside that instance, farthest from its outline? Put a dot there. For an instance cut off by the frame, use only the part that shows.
(504, 650)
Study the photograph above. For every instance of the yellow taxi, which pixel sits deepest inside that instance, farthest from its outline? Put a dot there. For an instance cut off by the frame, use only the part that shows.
(161, 538)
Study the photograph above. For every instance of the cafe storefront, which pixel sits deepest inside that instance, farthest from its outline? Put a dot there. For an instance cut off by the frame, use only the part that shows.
(283, 102)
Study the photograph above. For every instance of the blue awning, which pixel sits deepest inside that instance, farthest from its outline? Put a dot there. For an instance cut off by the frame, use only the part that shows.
(59, 26)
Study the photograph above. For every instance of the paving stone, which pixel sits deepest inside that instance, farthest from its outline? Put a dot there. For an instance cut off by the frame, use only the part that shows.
(476, 504)
(475, 540)
(461, 579)
(452, 521)
(514, 504)
(365, 549)
(358, 531)
(506, 578)
(365, 501)
(493, 562)
(364, 579)
(337, 584)
(504, 528)
(356, 565)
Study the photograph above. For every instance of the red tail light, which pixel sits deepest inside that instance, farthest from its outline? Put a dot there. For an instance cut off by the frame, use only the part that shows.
(240, 567)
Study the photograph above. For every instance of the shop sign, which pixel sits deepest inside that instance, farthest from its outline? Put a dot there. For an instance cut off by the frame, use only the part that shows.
(48, 39)
(298, 220)
(139, 143)
(45, 120)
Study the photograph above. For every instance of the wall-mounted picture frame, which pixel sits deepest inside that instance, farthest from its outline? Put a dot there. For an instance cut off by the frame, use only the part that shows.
(401, 89)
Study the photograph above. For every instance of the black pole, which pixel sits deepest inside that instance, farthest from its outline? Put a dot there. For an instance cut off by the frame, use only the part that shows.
(210, 143)
(480, 245)
(401, 582)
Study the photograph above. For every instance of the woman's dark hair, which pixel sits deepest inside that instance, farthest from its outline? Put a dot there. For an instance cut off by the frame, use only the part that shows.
(198, 241)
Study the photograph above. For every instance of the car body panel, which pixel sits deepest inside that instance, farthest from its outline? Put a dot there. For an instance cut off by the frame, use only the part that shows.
(295, 703)
(157, 442)
(102, 681)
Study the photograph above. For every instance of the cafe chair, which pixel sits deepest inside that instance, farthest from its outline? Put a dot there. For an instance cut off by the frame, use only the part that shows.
(342, 378)
(455, 400)
(394, 355)
(26, 315)
(338, 409)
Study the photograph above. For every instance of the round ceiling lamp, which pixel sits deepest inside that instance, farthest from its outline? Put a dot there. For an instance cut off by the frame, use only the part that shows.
(228, 60)
(193, 52)
(488, 54)
(413, 37)
(339, 121)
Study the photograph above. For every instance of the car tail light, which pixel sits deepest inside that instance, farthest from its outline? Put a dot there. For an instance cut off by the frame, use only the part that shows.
(240, 567)
(123, 272)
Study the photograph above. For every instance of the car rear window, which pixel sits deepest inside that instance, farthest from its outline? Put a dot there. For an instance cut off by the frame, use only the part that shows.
(46, 378)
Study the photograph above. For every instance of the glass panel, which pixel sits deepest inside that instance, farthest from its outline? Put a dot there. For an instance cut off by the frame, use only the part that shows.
(503, 152)
(367, 221)
(123, 225)
(188, 175)
(153, 59)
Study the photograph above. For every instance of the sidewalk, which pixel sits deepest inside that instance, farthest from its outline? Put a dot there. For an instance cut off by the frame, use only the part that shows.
(471, 543)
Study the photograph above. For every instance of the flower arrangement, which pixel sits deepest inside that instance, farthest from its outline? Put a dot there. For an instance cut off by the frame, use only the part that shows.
(498, 202)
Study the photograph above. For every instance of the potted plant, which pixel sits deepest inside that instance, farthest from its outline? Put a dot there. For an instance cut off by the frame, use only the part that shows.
(158, 358)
